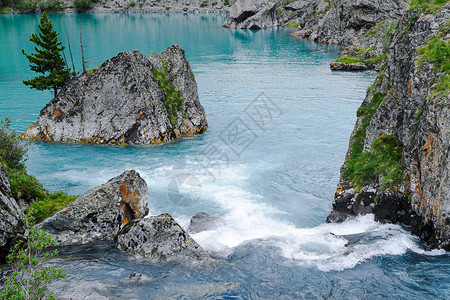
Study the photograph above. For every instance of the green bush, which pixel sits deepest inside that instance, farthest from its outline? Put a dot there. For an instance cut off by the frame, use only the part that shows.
(12, 148)
(204, 4)
(436, 52)
(132, 3)
(24, 186)
(82, 5)
(30, 274)
(348, 60)
(226, 2)
(375, 60)
(214, 3)
(48, 206)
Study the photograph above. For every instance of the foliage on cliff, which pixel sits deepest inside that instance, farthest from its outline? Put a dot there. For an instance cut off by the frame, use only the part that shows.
(24, 186)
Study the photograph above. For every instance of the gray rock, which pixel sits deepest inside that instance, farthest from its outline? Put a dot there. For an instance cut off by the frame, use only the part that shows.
(203, 221)
(252, 14)
(11, 217)
(100, 213)
(420, 120)
(125, 101)
(160, 238)
(339, 66)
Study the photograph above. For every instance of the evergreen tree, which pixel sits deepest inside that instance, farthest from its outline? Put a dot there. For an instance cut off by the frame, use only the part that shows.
(47, 60)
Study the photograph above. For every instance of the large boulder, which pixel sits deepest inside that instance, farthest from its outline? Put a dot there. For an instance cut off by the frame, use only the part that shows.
(11, 217)
(159, 237)
(100, 213)
(129, 99)
(203, 221)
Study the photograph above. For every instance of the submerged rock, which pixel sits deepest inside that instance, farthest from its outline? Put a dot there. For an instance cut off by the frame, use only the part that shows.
(203, 221)
(11, 217)
(129, 99)
(405, 122)
(159, 237)
(100, 213)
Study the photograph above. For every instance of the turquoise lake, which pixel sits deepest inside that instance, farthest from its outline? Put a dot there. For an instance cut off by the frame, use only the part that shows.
(273, 192)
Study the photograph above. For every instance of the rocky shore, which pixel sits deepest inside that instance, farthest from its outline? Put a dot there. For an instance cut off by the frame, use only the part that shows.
(129, 99)
(397, 165)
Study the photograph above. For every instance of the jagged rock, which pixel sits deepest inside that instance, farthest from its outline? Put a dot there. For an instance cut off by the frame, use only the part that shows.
(252, 14)
(203, 221)
(340, 66)
(129, 99)
(11, 217)
(159, 237)
(100, 213)
(418, 117)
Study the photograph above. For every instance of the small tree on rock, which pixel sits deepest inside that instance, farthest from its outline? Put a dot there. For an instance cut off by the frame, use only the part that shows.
(48, 59)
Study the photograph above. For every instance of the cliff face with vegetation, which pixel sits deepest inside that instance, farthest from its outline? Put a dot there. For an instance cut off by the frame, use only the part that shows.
(129, 99)
(398, 165)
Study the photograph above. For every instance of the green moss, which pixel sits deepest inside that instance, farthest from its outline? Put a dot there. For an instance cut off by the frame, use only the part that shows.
(172, 98)
(437, 52)
(375, 60)
(429, 6)
(293, 25)
(48, 206)
(348, 60)
(90, 70)
(383, 159)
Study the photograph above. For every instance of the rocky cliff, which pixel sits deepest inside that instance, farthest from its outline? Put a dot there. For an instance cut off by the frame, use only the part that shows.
(11, 217)
(129, 99)
(362, 25)
(398, 165)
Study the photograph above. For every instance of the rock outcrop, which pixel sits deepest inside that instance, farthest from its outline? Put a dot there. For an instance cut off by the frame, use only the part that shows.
(252, 14)
(129, 99)
(398, 164)
(203, 221)
(100, 213)
(11, 217)
(159, 237)
(364, 26)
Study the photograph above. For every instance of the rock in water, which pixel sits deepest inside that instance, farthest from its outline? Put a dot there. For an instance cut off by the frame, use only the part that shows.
(203, 221)
(159, 238)
(100, 213)
(11, 217)
(252, 14)
(129, 99)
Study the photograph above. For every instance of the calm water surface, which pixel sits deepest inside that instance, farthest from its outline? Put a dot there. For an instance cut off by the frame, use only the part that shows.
(272, 183)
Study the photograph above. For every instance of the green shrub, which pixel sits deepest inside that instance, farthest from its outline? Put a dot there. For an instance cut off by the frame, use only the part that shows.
(436, 52)
(30, 274)
(348, 60)
(12, 148)
(82, 5)
(214, 3)
(48, 206)
(132, 3)
(24, 186)
(90, 70)
(204, 4)
(226, 2)
(295, 25)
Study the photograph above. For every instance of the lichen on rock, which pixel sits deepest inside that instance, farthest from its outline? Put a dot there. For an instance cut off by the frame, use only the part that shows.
(129, 99)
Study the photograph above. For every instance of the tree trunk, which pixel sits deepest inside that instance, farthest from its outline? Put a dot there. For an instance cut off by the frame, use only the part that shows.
(55, 89)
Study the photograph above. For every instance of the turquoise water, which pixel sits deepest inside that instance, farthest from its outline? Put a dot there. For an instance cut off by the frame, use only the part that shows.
(273, 188)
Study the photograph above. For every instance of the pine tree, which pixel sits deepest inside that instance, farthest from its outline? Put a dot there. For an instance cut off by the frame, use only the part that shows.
(47, 60)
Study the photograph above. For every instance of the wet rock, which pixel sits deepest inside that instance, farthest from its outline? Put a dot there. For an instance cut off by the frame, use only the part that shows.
(100, 213)
(203, 221)
(11, 217)
(129, 99)
(159, 237)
